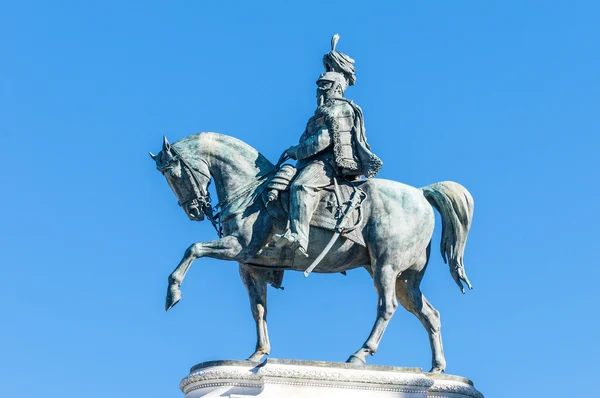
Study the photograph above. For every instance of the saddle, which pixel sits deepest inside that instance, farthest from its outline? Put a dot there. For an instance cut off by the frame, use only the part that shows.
(333, 200)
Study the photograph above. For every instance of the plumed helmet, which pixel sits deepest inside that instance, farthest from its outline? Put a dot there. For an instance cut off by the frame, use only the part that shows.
(335, 61)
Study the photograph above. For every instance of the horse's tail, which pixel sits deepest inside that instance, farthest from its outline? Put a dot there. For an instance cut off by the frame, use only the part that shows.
(455, 205)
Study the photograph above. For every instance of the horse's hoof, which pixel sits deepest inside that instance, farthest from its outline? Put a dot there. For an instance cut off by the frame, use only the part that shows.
(356, 360)
(436, 369)
(173, 297)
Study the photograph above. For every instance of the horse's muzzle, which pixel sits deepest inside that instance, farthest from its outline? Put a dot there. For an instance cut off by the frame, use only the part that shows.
(193, 212)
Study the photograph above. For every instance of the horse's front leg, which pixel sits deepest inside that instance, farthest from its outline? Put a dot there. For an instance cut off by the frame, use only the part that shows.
(227, 248)
(255, 281)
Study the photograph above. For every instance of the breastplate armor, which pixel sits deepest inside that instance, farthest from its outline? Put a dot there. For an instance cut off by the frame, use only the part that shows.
(316, 139)
(313, 126)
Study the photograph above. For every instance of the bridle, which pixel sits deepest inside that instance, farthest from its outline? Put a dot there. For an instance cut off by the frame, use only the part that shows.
(201, 196)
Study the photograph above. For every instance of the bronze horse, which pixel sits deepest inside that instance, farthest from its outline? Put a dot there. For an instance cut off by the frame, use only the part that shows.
(397, 229)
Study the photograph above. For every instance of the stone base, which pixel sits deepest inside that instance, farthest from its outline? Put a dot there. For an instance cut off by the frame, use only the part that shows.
(278, 378)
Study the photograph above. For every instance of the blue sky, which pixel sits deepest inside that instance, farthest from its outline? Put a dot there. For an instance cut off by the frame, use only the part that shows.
(502, 97)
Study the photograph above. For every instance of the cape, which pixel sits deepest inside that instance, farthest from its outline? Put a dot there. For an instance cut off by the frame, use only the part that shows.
(369, 164)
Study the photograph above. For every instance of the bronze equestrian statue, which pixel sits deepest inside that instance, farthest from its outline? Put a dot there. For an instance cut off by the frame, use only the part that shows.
(380, 225)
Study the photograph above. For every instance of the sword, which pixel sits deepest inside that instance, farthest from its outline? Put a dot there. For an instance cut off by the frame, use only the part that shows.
(355, 199)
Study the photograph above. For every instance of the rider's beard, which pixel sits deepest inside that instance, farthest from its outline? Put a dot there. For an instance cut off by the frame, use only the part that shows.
(321, 100)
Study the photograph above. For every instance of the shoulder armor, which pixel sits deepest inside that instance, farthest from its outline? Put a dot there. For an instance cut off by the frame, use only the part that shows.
(340, 116)
(342, 108)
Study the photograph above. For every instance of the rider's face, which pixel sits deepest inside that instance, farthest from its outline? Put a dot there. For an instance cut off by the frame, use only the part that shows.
(324, 91)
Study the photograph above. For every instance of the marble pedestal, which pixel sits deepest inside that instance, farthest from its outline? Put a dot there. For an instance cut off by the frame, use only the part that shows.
(284, 378)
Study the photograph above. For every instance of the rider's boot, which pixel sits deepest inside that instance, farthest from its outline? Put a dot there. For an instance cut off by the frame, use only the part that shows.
(289, 239)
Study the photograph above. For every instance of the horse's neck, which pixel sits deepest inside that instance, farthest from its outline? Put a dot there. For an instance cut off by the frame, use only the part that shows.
(233, 164)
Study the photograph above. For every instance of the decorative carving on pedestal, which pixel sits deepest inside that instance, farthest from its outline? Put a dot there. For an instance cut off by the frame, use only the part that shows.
(319, 379)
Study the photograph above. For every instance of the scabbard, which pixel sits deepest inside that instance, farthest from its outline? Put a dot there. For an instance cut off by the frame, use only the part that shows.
(355, 199)
(310, 269)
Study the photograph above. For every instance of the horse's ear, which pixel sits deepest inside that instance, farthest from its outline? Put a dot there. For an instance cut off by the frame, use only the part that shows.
(153, 156)
(166, 145)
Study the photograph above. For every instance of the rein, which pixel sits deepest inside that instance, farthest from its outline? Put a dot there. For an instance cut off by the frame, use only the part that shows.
(204, 196)
(223, 205)
(230, 199)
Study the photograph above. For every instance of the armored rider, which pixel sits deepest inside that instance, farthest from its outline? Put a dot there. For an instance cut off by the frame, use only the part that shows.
(333, 145)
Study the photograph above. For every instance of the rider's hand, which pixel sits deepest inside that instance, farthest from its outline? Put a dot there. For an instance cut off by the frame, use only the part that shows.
(291, 151)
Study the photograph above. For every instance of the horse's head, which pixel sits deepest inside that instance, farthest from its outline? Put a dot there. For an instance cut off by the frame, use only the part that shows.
(188, 181)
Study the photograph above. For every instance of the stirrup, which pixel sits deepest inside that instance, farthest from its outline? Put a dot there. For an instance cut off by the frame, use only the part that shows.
(289, 239)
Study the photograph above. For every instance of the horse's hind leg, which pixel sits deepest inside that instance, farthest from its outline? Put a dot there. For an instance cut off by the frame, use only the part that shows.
(410, 296)
(384, 278)
(255, 281)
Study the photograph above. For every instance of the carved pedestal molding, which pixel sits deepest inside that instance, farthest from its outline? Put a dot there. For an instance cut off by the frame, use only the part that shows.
(276, 378)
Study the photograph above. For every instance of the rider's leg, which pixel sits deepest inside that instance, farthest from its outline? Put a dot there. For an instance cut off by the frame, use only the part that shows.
(305, 198)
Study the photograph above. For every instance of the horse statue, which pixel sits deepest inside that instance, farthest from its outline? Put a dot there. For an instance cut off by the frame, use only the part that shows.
(397, 228)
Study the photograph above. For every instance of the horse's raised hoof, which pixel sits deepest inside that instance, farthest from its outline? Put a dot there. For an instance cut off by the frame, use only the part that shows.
(173, 297)
(356, 360)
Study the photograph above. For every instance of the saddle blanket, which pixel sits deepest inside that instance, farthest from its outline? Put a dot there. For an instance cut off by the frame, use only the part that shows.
(328, 211)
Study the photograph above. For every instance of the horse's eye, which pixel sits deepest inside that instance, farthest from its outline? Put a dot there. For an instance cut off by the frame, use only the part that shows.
(175, 171)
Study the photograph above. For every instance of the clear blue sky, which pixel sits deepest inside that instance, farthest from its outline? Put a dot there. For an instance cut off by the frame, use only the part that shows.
(503, 97)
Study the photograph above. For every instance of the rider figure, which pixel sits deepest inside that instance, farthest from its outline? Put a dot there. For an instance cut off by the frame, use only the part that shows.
(332, 145)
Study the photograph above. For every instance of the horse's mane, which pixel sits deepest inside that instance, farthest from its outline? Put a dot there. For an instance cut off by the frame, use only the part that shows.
(204, 146)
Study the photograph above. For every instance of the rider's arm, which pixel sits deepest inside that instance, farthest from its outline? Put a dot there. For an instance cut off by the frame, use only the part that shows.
(314, 144)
